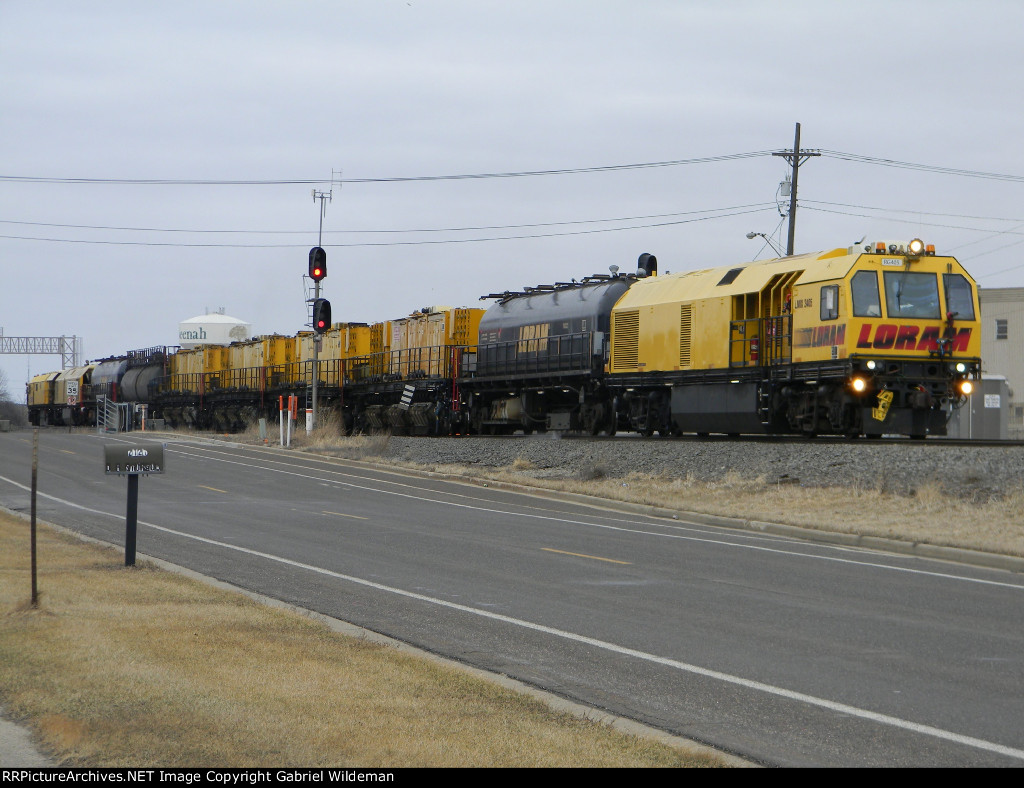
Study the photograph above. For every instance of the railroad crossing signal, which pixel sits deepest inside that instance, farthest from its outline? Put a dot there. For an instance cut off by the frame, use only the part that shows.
(317, 263)
(321, 315)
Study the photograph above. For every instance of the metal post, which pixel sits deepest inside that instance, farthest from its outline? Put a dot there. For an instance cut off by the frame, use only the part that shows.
(316, 337)
(131, 519)
(35, 475)
(316, 345)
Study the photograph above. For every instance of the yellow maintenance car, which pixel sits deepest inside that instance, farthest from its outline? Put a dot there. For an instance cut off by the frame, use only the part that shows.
(879, 338)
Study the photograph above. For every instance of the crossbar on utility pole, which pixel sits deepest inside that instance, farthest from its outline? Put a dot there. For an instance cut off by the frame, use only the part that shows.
(795, 157)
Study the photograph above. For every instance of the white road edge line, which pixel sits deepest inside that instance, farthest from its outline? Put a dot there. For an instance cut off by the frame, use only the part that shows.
(840, 708)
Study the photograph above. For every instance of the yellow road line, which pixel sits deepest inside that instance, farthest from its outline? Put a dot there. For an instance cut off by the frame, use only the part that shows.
(67, 452)
(213, 488)
(584, 555)
(353, 516)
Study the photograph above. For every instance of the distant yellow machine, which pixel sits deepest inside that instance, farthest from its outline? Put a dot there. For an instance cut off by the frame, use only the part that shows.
(60, 398)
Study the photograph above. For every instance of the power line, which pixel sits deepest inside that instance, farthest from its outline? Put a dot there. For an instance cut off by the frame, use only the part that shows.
(839, 155)
(915, 211)
(904, 165)
(402, 179)
(909, 221)
(387, 231)
(394, 243)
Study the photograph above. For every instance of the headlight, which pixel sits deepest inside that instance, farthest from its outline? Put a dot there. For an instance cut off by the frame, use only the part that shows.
(872, 365)
(915, 247)
(858, 384)
(961, 367)
(966, 387)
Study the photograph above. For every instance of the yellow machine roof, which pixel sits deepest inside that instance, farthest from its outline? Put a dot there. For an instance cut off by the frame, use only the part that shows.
(749, 277)
(75, 373)
(752, 277)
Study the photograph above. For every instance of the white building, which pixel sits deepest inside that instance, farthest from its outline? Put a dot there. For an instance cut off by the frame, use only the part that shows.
(1002, 347)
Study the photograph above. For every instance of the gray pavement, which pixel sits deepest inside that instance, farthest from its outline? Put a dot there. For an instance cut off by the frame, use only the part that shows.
(818, 642)
(17, 749)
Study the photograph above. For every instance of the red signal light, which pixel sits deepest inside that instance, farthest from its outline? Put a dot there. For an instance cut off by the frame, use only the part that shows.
(321, 315)
(317, 263)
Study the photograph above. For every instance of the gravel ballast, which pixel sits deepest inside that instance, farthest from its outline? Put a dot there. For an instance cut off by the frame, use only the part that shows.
(976, 472)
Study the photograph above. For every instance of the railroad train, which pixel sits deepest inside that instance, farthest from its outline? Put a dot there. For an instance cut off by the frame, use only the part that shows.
(870, 340)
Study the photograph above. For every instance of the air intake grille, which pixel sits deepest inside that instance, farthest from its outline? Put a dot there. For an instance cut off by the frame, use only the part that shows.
(626, 345)
(685, 331)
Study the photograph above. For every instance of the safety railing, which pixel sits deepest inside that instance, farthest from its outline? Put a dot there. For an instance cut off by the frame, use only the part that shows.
(760, 342)
(539, 356)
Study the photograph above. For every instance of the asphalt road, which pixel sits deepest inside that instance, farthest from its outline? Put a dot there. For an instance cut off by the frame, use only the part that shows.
(787, 652)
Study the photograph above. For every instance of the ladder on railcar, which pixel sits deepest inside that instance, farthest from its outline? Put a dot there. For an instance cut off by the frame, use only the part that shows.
(113, 416)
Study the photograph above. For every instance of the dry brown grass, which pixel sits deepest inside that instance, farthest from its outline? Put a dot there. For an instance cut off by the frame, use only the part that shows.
(523, 464)
(141, 667)
(327, 438)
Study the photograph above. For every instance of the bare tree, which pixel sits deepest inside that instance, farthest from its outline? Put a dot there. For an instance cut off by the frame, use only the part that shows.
(10, 410)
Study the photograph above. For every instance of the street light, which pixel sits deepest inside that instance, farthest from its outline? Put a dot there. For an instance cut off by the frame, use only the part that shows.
(767, 240)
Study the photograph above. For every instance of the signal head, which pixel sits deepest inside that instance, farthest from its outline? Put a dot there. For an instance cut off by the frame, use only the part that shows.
(321, 315)
(317, 263)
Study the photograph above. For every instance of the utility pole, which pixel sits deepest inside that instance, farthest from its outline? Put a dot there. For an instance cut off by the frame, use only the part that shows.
(795, 157)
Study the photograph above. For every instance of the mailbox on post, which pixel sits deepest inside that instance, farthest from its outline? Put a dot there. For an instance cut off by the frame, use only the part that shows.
(131, 460)
(134, 458)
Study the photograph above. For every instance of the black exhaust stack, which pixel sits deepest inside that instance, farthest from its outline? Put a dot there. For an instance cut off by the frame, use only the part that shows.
(647, 263)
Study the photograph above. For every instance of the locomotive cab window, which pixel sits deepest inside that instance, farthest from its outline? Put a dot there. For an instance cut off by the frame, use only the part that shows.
(829, 302)
(911, 295)
(864, 288)
(959, 296)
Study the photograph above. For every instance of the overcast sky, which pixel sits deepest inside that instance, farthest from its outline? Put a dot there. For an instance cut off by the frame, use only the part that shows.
(280, 94)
